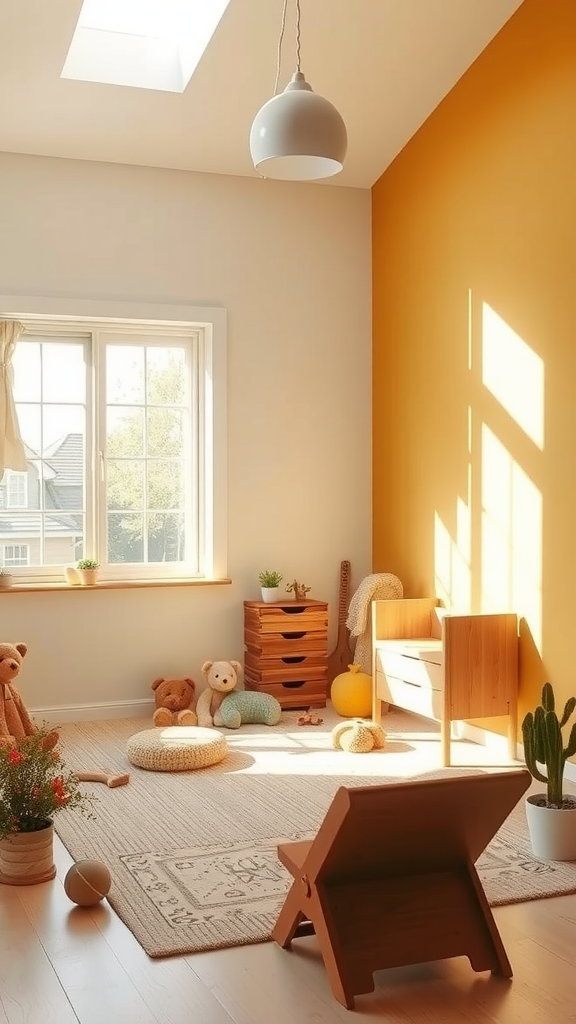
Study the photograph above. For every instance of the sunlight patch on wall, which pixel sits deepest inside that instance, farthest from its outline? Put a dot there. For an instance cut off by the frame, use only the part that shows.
(452, 560)
(513, 373)
(145, 44)
(511, 536)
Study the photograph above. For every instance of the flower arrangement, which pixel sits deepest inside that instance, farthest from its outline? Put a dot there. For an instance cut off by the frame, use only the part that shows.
(35, 784)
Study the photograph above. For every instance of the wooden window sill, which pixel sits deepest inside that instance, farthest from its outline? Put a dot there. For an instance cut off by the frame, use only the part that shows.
(28, 588)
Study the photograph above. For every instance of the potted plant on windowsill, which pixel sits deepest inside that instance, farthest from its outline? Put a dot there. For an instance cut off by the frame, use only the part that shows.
(88, 569)
(551, 825)
(6, 579)
(270, 581)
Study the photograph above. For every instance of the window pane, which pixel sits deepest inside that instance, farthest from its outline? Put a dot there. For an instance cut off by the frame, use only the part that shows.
(63, 468)
(63, 539)
(165, 376)
(125, 537)
(124, 374)
(63, 372)
(15, 555)
(124, 431)
(30, 423)
(26, 365)
(165, 485)
(166, 537)
(21, 528)
(165, 435)
(125, 484)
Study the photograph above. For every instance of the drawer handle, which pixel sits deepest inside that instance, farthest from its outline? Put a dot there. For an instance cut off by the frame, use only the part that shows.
(293, 686)
(291, 610)
(293, 636)
(293, 660)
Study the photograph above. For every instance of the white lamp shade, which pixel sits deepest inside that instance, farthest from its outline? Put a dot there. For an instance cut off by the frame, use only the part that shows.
(298, 135)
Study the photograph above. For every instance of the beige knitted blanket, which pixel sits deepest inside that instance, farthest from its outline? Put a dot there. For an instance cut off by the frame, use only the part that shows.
(380, 586)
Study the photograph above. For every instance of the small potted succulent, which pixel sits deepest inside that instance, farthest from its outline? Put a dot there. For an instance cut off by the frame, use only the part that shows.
(88, 569)
(270, 581)
(5, 578)
(551, 825)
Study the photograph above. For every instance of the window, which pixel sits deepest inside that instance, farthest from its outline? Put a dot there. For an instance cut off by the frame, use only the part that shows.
(16, 489)
(15, 554)
(124, 458)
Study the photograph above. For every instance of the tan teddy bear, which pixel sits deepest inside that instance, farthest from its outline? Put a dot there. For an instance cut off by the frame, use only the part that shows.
(221, 678)
(173, 701)
(15, 722)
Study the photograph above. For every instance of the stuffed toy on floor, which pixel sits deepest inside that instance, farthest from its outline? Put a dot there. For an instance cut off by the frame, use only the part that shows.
(248, 707)
(174, 699)
(358, 736)
(221, 678)
(221, 704)
(15, 722)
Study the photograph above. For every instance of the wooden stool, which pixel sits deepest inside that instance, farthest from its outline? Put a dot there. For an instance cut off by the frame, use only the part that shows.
(390, 880)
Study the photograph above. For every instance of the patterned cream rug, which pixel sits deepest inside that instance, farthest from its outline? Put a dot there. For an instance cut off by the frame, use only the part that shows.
(193, 854)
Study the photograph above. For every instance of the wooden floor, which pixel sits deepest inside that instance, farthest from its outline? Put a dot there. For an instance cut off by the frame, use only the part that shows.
(60, 964)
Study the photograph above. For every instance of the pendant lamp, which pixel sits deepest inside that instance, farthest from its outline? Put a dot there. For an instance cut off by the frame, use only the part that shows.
(297, 135)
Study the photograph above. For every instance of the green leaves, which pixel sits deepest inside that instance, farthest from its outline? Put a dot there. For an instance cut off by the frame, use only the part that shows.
(544, 744)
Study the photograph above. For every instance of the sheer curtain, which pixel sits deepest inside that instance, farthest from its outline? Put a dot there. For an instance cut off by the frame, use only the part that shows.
(12, 454)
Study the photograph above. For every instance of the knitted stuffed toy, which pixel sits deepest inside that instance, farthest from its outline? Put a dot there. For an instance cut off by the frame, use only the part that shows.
(357, 736)
(243, 707)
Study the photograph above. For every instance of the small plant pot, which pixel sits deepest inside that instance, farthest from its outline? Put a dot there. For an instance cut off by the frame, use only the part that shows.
(6, 579)
(26, 858)
(552, 830)
(88, 577)
(270, 594)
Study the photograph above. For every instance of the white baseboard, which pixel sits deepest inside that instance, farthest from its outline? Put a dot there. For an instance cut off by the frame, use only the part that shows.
(93, 712)
(499, 744)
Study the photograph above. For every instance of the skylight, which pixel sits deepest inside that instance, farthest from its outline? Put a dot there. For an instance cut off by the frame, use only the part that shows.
(146, 44)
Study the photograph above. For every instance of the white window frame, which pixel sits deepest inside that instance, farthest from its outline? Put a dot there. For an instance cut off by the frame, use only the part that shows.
(209, 412)
(13, 564)
(12, 475)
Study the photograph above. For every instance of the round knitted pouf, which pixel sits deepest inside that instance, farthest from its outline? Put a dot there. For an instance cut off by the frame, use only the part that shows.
(358, 737)
(179, 748)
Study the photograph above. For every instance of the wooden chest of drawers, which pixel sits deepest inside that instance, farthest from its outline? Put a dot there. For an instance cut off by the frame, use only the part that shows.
(287, 651)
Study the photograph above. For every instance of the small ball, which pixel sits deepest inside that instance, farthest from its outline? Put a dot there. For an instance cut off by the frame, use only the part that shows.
(87, 882)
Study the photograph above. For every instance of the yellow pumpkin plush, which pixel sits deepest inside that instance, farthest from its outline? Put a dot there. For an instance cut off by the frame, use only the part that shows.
(15, 722)
(173, 699)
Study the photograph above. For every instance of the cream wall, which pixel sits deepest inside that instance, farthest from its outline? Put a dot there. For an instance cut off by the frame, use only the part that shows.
(291, 264)
(474, 237)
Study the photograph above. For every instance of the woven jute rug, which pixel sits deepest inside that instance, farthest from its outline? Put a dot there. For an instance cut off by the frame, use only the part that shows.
(193, 854)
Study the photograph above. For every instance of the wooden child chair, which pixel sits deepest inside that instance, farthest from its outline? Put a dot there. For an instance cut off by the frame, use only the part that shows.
(390, 878)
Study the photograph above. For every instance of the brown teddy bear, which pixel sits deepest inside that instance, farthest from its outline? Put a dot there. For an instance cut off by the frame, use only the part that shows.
(173, 699)
(15, 722)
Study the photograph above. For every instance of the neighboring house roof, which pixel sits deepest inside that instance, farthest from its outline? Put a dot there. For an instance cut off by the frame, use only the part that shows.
(61, 468)
(21, 524)
(66, 458)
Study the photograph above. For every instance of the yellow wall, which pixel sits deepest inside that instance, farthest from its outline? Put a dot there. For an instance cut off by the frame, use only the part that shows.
(474, 249)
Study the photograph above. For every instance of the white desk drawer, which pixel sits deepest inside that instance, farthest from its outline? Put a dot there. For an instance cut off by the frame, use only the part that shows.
(419, 699)
(411, 670)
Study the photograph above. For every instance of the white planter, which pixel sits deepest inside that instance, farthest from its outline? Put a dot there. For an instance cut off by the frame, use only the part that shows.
(270, 594)
(88, 577)
(552, 830)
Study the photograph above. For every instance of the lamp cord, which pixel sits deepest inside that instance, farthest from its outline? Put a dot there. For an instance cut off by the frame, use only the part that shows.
(279, 58)
(298, 35)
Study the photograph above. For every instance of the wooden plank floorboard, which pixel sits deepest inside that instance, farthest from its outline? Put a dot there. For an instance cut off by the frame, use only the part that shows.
(65, 965)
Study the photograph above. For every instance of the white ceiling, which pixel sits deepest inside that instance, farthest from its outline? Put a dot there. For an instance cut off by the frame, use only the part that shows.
(385, 64)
